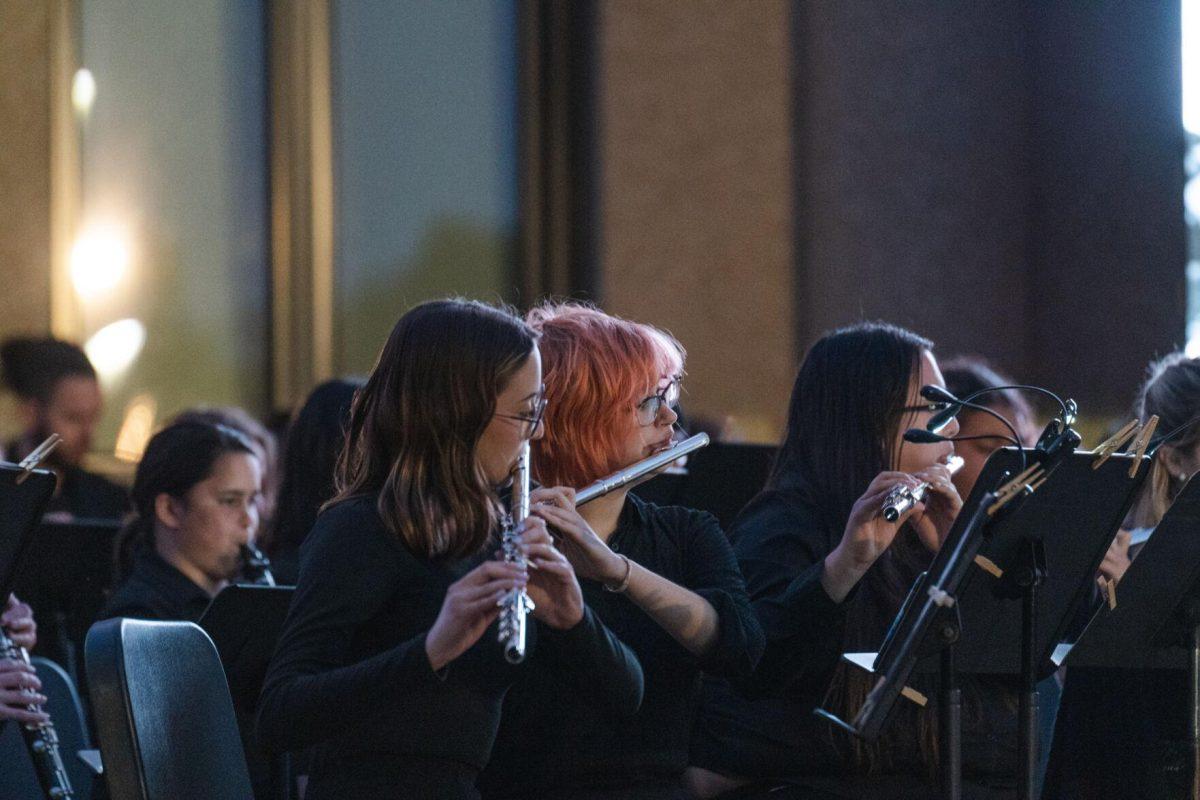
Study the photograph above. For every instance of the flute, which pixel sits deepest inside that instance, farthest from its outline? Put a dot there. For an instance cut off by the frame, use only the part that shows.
(515, 605)
(641, 471)
(902, 498)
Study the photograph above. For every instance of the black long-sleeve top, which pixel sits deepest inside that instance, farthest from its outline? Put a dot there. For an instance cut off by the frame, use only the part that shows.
(156, 590)
(559, 740)
(352, 677)
(765, 728)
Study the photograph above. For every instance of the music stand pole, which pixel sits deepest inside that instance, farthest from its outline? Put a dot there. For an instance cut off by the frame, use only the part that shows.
(1194, 709)
(1027, 710)
(950, 727)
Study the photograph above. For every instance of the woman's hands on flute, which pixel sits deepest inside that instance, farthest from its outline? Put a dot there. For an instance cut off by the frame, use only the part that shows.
(555, 592)
(587, 552)
(470, 606)
(868, 534)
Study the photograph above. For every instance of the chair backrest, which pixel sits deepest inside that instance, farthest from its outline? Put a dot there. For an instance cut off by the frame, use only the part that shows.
(163, 713)
(18, 780)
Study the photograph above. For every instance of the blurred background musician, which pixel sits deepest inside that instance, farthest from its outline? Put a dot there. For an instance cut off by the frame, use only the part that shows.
(664, 579)
(389, 661)
(315, 437)
(827, 575)
(1124, 733)
(196, 499)
(57, 392)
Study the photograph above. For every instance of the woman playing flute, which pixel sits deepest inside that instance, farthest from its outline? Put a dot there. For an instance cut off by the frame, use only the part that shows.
(827, 574)
(663, 579)
(389, 661)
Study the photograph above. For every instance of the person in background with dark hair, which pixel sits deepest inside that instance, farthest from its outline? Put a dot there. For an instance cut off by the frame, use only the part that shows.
(389, 662)
(261, 439)
(57, 389)
(1124, 733)
(196, 502)
(827, 574)
(314, 439)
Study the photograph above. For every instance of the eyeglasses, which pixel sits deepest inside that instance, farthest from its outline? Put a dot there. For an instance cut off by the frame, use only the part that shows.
(532, 421)
(928, 408)
(647, 410)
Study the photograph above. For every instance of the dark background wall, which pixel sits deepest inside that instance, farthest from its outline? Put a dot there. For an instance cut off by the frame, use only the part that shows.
(1004, 177)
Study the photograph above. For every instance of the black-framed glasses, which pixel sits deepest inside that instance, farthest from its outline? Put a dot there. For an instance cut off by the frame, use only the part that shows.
(928, 408)
(647, 410)
(532, 421)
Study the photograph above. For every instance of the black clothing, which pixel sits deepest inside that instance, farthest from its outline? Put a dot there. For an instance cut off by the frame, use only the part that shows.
(558, 740)
(765, 729)
(1121, 733)
(86, 495)
(351, 674)
(156, 590)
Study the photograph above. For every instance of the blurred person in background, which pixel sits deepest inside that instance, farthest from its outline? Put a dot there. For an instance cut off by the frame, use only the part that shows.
(310, 452)
(57, 392)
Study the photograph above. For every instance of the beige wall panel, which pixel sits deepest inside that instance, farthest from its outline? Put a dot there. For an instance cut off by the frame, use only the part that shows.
(24, 167)
(695, 188)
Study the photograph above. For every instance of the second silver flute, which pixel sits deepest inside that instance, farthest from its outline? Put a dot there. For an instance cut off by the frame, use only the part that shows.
(515, 605)
(902, 498)
(636, 473)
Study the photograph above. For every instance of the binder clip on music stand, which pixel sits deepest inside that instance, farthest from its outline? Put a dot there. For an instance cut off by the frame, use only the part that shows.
(1005, 528)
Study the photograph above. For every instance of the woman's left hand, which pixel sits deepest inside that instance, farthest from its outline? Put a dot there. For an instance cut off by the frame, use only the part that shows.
(586, 551)
(552, 587)
(937, 513)
(17, 619)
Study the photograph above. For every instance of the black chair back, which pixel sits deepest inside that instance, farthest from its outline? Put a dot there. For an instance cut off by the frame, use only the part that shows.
(18, 780)
(163, 713)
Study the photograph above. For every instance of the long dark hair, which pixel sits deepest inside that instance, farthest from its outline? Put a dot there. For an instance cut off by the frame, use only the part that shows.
(1172, 391)
(846, 410)
(177, 458)
(415, 425)
(314, 441)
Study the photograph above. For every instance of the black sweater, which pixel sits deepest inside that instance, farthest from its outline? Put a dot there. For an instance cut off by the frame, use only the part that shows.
(156, 590)
(765, 729)
(351, 674)
(559, 740)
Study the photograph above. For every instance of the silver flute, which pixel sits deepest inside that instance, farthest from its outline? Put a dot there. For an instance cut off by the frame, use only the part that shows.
(515, 605)
(902, 498)
(641, 471)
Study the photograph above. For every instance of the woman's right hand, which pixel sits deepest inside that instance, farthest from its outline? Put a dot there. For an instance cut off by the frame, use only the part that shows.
(866, 537)
(19, 687)
(471, 604)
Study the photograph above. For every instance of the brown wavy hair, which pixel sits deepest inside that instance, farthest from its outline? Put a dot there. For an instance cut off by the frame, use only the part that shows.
(415, 425)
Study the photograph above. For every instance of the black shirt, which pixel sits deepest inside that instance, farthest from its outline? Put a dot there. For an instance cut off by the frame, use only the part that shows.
(86, 495)
(351, 674)
(765, 728)
(156, 590)
(558, 740)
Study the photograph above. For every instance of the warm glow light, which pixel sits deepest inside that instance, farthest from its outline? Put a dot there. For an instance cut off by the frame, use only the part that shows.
(113, 348)
(98, 261)
(83, 91)
(136, 428)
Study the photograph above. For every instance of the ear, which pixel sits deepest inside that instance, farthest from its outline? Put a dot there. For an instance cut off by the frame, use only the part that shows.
(168, 511)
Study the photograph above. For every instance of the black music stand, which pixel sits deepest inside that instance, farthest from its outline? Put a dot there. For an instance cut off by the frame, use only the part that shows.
(23, 498)
(244, 623)
(1156, 621)
(67, 574)
(1048, 546)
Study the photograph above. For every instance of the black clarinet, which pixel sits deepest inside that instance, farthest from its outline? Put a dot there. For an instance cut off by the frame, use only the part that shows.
(256, 568)
(40, 738)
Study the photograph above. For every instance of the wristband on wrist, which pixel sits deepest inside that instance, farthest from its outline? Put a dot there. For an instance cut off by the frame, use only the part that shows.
(624, 584)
